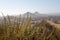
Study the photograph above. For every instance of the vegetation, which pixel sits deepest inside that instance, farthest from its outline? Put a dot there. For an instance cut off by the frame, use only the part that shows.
(25, 31)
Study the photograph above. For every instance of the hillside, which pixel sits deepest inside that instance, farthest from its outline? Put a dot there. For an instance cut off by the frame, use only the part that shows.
(57, 26)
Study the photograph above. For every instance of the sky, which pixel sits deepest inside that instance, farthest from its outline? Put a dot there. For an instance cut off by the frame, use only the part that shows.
(16, 7)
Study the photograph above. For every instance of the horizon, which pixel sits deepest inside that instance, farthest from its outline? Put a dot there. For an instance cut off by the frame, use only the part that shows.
(16, 7)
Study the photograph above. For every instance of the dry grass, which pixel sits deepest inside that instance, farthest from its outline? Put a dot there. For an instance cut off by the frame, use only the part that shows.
(25, 31)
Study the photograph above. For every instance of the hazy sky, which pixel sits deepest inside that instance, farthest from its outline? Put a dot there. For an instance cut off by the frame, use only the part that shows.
(15, 7)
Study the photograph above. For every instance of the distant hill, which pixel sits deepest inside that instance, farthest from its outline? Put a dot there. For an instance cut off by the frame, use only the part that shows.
(35, 15)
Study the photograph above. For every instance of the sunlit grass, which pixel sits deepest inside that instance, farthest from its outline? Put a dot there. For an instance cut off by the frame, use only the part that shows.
(25, 31)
